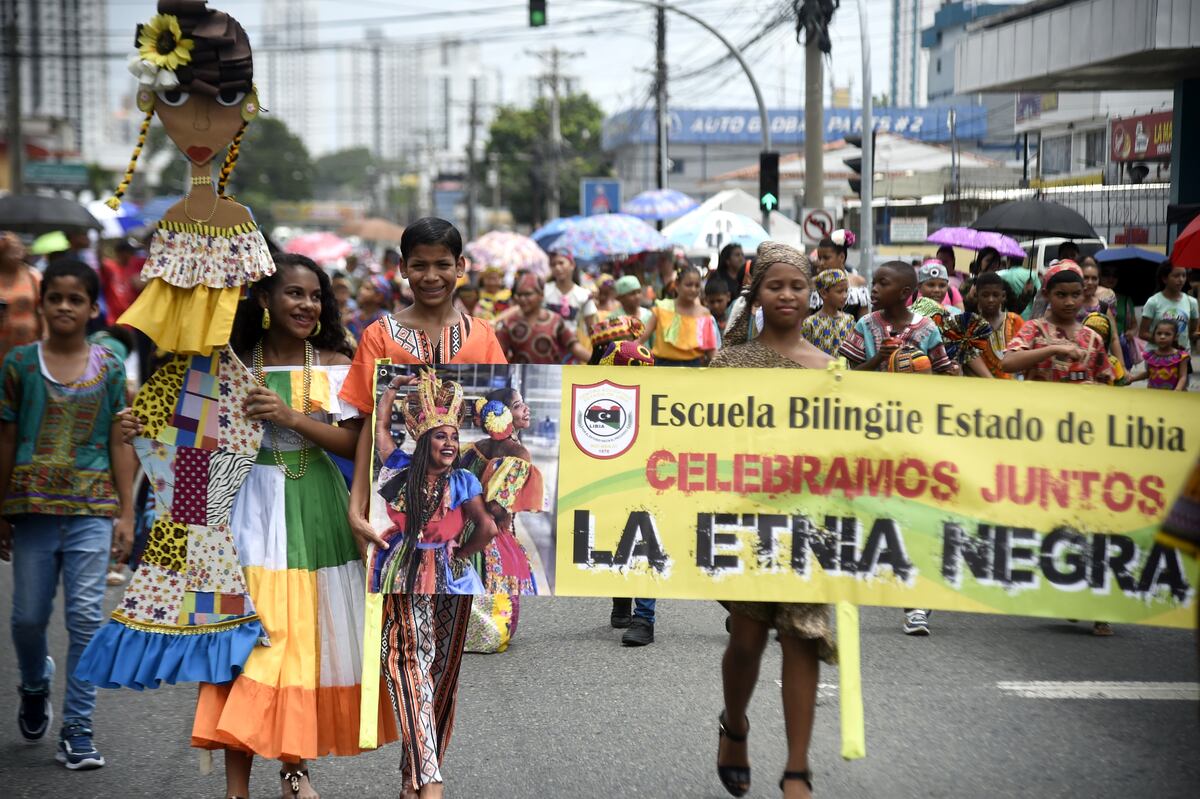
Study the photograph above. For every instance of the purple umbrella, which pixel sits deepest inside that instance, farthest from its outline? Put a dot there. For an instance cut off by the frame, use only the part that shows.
(971, 239)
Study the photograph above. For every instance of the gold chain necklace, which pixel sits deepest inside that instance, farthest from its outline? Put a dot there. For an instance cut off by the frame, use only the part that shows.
(211, 213)
(261, 376)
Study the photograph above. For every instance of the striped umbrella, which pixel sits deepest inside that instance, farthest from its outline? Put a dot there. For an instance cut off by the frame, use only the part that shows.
(510, 252)
(659, 204)
(607, 236)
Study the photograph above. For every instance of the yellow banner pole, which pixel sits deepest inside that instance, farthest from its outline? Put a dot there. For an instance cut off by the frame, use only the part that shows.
(854, 734)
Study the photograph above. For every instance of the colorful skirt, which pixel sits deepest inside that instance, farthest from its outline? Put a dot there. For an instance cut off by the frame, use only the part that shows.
(298, 697)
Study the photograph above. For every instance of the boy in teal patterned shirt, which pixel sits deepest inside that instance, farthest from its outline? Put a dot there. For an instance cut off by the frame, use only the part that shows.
(65, 476)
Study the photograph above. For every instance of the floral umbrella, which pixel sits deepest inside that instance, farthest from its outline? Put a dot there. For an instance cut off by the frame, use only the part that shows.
(510, 252)
(659, 204)
(321, 247)
(607, 236)
(548, 233)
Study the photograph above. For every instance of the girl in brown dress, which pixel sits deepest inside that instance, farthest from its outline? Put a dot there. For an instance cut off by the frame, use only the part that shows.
(780, 285)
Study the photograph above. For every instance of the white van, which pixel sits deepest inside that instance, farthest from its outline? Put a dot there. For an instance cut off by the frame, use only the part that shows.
(1043, 251)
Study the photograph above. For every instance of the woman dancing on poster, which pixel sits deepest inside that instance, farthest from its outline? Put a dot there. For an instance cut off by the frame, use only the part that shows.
(780, 284)
(512, 483)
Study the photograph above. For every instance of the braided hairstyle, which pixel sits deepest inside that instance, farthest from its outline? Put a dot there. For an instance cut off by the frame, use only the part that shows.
(231, 157)
(114, 202)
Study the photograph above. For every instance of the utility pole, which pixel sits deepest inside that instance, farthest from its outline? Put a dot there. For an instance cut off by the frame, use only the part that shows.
(377, 133)
(814, 125)
(16, 144)
(866, 232)
(660, 99)
(472, 179)
(553, 58)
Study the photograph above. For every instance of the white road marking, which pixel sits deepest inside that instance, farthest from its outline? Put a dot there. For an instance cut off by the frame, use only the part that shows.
(1178, 691)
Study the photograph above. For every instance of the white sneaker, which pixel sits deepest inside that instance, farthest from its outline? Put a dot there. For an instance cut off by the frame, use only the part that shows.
(916, 622)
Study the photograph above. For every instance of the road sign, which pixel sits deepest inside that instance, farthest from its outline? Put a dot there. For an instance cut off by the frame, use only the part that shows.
(599, 196)
(816, 223)
(55, 173)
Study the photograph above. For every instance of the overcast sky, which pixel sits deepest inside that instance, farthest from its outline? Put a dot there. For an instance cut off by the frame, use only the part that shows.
(616, 42)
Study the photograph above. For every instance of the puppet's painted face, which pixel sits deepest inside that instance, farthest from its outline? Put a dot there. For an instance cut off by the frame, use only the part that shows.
(202, 126)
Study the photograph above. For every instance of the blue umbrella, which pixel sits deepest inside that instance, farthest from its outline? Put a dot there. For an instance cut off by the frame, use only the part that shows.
(153, 210)
(1129, 254)
(659, 204)
(1135, 267)
(605, 236)
(701, 231)
(548, 233)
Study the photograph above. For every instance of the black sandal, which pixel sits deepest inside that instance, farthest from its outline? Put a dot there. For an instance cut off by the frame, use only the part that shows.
(736, 779)
(806, 776)
(293, 779)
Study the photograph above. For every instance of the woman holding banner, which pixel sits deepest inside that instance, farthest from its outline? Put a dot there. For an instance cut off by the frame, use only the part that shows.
(780, 286)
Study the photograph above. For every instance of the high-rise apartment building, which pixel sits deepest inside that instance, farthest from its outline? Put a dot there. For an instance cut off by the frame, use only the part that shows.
(64, 86)
(908, 66)
(284, 62)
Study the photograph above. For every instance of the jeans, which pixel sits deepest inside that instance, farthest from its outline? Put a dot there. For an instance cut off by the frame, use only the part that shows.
(644, 608)
(43, 547)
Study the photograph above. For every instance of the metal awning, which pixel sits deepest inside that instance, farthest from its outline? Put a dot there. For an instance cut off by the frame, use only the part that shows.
(1085, 45)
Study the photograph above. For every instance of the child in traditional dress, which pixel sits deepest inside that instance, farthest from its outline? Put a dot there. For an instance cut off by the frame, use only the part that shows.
(1165, 366)
(828, 327)
(684, 332)
(991, 298)
(891, 326)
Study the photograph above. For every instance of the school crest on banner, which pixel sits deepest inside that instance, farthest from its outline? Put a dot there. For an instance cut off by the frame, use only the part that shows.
(604, 418)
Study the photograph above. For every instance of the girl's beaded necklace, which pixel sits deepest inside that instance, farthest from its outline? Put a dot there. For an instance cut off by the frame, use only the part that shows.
(261, 377)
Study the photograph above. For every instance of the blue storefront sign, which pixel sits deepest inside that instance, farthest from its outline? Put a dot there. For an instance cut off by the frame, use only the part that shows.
(599, 196)
(743, 126)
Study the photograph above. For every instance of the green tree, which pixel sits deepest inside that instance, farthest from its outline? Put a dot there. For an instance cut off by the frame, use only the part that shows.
(520, 138)
(349, 172)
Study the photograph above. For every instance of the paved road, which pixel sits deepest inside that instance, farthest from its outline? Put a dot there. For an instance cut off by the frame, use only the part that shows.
(568, 713)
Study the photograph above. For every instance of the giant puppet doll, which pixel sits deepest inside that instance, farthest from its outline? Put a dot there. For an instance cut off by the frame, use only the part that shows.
(187, 614)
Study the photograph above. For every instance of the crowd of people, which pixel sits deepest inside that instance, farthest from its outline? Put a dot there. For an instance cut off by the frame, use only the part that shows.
(67, 467)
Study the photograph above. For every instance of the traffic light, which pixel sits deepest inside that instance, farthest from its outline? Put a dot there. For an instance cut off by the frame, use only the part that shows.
(768, 181)
(537, 13)
(855, 164)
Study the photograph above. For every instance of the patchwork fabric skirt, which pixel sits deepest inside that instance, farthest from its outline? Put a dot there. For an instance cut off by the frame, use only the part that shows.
(299, 696)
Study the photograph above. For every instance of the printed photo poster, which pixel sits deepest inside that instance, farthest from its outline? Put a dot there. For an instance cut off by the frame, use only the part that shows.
(502, 461)
(878, 489)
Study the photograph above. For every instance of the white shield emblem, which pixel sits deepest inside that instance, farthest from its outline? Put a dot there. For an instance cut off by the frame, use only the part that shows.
(604, 418)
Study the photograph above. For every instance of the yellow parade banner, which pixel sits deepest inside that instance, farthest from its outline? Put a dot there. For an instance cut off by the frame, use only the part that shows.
(878, 489)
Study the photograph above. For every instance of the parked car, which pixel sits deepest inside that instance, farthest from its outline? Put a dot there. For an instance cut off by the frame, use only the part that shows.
(1043, 251)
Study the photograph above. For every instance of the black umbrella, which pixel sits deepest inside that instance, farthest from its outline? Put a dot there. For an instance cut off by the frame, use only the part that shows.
(1037, 218)
(33, 213)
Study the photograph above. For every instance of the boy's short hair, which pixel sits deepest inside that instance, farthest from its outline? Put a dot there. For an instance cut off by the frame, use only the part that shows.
(715, 287)
(1065, 276)
(904, 269)
(434, 231)
(69, 266)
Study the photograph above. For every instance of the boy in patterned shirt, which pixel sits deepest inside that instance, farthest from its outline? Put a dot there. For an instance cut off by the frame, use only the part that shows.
(66, 484)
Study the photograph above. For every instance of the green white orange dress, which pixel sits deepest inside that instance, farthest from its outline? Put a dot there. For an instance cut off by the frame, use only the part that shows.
(299, 695)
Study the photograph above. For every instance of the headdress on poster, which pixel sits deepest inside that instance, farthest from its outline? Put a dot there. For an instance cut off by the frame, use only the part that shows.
(494, 418)
(626, 353)
(189, 49)
(616, 328)
(434, 403)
